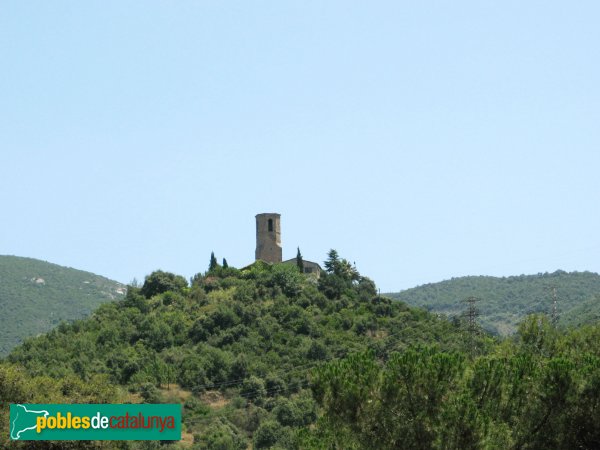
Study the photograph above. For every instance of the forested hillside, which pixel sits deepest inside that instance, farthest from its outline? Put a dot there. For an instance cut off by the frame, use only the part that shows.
(35, 296)
(587, 312)
(504, 302)
(266, 357)
(236, 348)
(541, 391)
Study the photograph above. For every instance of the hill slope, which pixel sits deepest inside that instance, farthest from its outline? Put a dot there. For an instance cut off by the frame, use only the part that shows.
(505, 301)
(587, 312)
(236, 349)
(36, 295)
(267, 358)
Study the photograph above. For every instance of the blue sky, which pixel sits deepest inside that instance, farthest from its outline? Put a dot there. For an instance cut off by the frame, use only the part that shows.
(422, 140)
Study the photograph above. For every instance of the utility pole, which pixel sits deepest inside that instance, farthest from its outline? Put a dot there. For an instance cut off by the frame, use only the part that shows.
(554, 311)
(471, 314)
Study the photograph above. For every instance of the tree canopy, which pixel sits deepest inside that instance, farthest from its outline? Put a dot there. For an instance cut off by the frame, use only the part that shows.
(268, 357)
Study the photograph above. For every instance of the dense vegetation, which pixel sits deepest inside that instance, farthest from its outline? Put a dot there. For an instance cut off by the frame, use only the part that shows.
(269, 358)
(587, 312)
(236, 347)
(504, 302)
(36, 296)
(541, 391)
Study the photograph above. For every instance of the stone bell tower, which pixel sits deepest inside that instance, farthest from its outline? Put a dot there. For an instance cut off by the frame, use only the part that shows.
(268, 237)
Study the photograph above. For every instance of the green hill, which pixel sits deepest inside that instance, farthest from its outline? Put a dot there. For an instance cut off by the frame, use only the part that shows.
(236, 348)
(587, 312)
(504, 302)
(36, 295)
(267, 358)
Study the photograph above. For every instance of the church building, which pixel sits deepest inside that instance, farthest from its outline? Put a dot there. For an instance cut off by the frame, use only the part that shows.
(268, 244)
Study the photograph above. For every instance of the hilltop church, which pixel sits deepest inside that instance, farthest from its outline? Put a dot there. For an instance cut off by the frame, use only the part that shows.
(268, 244)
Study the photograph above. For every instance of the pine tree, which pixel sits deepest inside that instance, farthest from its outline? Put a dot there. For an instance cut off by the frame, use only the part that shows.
(225, 265)
(332, 265)
(299, 261)
(213, 262)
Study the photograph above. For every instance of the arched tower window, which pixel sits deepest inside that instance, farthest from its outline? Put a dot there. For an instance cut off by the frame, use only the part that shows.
(270, 224)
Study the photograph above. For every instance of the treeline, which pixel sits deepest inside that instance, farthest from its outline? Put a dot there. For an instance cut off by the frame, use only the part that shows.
(271, 358)
(239, 344)
(541, 391)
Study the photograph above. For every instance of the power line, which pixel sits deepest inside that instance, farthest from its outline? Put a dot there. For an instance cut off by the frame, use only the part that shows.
(300, 368)
(237, 381)
(304, 384)
(247, 396)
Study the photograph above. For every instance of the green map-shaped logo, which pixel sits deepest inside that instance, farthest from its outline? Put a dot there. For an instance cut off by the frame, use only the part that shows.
(23, 420)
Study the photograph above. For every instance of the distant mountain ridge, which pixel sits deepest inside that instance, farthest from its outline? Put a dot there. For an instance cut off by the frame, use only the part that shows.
(36, 295)
(505, 301)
